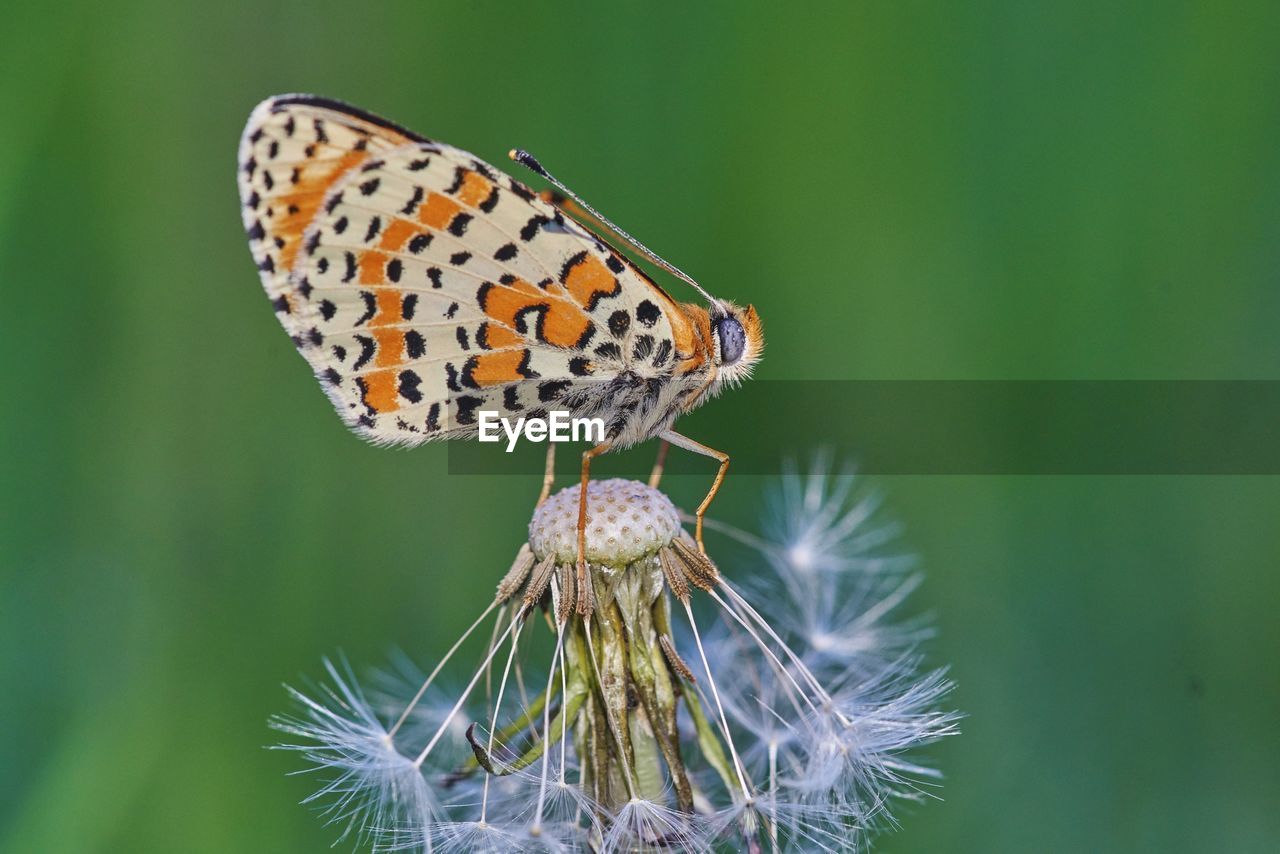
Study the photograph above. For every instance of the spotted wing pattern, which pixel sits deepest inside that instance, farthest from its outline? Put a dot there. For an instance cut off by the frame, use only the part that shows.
(423, 285)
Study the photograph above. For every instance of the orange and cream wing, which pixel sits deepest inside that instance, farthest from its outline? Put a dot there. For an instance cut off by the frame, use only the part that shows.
(294, 149)
(424, 286)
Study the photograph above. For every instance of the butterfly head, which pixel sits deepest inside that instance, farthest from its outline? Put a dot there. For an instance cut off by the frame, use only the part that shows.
(736, 339)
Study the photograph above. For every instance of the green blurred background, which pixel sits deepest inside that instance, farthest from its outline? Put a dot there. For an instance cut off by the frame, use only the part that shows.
(904, 190)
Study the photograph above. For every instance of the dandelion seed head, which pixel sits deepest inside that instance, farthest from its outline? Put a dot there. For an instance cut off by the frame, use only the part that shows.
(626, 521)
(650, 727)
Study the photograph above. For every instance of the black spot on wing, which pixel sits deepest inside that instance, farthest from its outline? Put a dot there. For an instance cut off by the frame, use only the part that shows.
(459, 176)
(367, 348)
(647, 313)
(663, 353)
(619, 323)
(414, 344)
(511, 399)
(643, 347)
(530, 228)
(552, 390)
(467, 405)
(413, 202)
(520, 190)
(609, 350)
(408, 386)
(458, 225)
(370, 307)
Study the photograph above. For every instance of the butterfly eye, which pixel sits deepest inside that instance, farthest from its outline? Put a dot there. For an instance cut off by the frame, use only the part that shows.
(733, 340)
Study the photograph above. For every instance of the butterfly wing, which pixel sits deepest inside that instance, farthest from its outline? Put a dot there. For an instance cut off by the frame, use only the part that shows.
(424, 286)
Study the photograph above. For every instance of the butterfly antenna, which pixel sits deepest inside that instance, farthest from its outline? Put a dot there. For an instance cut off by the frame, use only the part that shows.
(526, 159)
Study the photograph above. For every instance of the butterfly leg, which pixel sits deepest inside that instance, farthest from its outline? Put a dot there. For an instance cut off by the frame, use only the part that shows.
(698, 448)
(655, 476)
(549, 475)
(585, 602)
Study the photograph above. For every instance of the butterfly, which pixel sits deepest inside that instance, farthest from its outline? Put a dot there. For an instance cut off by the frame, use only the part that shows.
(425, 286)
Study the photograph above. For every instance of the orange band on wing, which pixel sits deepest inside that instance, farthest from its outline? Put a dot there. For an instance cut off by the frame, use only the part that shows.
(390, 347)
(390, 307)
(373, 267)
(587, 279)
(397, 234)
(562, 323)
(499, 337)
(474, 190)
(379, 390)
(495, 368)
(437, 211)
(301, 204)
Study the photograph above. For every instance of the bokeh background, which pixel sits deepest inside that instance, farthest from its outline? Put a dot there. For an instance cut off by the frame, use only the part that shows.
(905, 190)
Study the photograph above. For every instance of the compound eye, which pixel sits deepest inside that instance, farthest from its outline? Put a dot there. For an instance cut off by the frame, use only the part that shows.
(733, 340)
